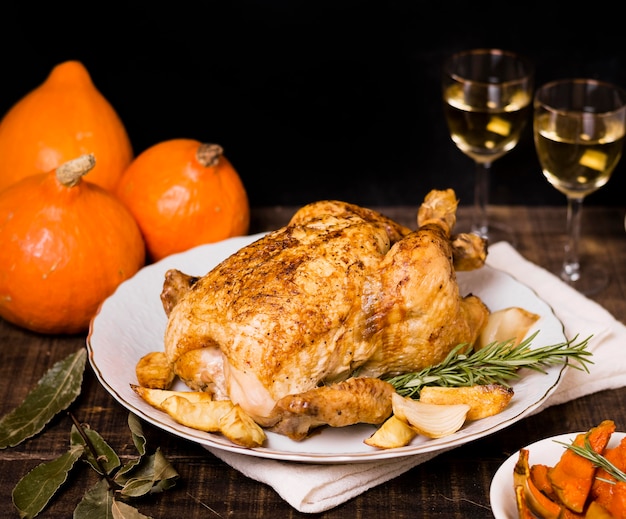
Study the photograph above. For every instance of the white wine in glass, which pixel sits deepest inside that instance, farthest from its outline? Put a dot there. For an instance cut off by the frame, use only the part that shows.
(579, 127)
(487, 97)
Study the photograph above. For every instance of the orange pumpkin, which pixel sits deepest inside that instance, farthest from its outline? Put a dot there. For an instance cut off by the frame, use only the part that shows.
(63, 118)
(66, 245)
(184, 193)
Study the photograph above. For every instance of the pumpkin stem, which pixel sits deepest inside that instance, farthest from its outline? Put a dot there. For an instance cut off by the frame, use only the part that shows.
(70, 173)
(209, 154)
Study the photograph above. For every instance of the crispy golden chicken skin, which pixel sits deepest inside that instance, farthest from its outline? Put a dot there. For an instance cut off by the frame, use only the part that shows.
(339, 288)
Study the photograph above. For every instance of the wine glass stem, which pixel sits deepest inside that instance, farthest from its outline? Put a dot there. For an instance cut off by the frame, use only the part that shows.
(571, 264)
(480, 224)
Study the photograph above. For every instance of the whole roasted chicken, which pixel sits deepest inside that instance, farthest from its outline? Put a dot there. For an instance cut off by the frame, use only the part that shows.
(299, 327)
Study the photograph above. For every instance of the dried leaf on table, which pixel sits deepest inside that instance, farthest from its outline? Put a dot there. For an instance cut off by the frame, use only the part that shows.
(138, 439)
(35, 489)
(97, 502)
(108, 460)
(54, 392)
(153, 475)
(123, 511)
(147, 473)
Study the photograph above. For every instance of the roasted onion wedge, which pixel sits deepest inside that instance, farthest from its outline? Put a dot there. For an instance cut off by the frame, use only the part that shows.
(507, 324)
(431, 420)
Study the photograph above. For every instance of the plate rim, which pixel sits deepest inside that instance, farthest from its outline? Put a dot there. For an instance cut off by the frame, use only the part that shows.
(219, 442)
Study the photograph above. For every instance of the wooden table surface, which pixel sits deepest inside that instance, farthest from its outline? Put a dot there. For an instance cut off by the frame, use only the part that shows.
(454, 484)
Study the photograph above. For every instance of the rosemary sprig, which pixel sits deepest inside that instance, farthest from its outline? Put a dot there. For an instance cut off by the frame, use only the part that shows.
(598, 460)
(496, 363)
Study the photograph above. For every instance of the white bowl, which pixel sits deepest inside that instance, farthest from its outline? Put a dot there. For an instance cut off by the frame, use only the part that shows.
(547, 452)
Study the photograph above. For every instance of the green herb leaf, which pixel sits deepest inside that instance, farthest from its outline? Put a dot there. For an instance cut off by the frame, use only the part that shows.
(153, 475)
(165, 474)
(146, 474)
(496, 363)
(122, 510)
(99, 501)
(96, 502)
(140, 443)
(33, 492)
(137, 431)
(56, 390)
(597, 459)
(108, 460)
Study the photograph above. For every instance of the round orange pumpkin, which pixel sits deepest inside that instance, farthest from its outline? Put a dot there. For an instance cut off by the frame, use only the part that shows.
(61, 119)
(66, 245)
(184, 193)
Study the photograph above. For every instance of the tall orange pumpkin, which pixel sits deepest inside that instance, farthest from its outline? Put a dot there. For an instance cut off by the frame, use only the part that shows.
(184, 193)
(64, 117)
(66, 245)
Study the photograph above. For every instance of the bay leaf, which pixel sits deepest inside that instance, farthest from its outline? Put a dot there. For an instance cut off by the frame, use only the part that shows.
(137, 480)
(99, 502)
(54, 392)
(165, 474)
(145, 474)
(134, 424)
(33, 492)
(137, 487)
(153, 475)
(123, 511)
(109, 460)
(140, 443)
(96, 502)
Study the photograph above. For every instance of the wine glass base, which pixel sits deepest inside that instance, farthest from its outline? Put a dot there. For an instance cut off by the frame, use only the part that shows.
(591, 280)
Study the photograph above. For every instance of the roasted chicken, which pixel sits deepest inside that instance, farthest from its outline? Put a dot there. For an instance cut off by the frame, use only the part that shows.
(299, 327)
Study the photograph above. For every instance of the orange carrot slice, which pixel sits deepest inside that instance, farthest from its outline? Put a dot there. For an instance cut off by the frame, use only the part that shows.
(538, 503)
(572, 477)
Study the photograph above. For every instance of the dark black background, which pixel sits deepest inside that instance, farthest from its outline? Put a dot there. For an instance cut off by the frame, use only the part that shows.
(312, 99)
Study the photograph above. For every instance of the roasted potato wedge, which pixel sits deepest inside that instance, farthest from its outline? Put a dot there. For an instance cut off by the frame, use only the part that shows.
(483, 400)
(198, 410)
(154, 371)
(239, 428)
(155, 397)
(203, 416)
(392, 433)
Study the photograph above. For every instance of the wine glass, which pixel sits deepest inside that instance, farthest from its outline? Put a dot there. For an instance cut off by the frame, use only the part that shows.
(579, 129)
(487, 97)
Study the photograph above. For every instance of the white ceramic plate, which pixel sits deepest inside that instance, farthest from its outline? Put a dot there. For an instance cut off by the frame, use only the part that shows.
(547, 452)
(132, 322)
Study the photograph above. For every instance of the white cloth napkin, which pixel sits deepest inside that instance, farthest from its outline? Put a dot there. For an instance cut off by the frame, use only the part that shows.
(579, 315)
(314, 488)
